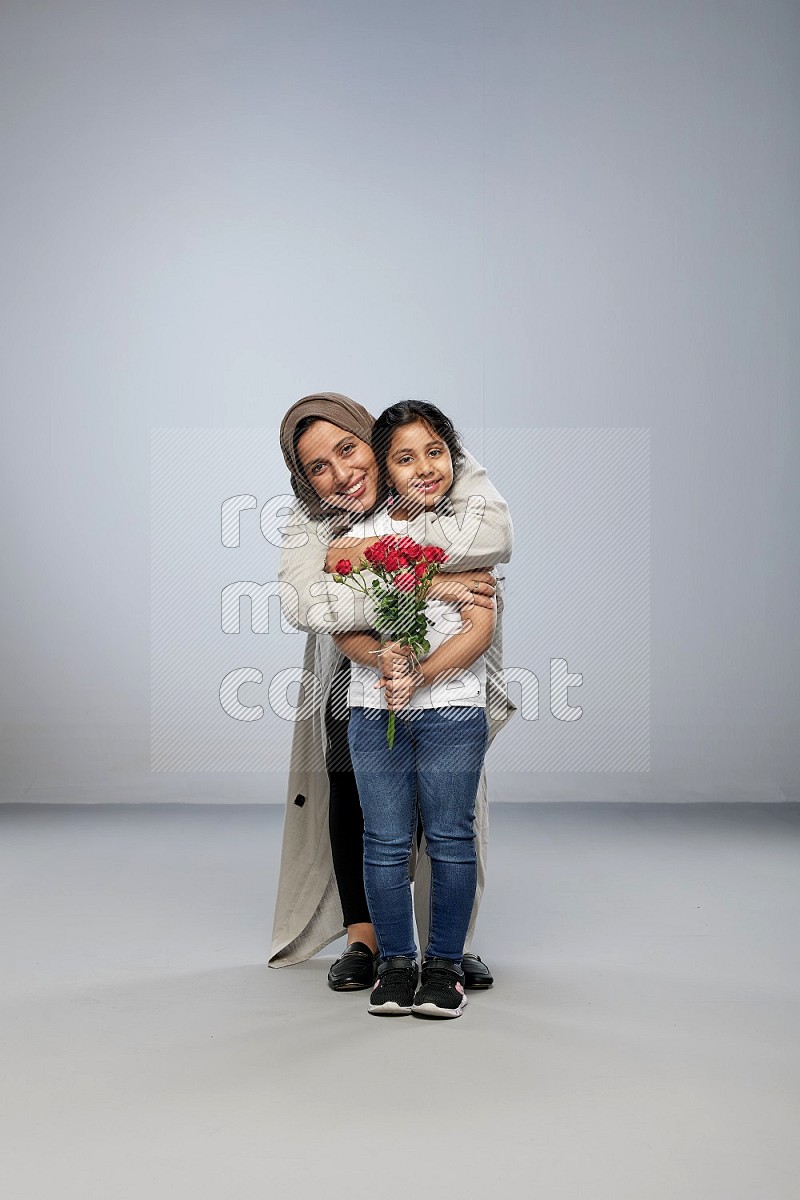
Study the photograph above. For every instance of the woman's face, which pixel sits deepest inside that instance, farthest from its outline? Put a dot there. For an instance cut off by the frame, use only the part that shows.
(419, 465)
(340, 467)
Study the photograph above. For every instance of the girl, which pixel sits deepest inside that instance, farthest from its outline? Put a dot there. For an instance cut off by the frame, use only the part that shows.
(440, 741)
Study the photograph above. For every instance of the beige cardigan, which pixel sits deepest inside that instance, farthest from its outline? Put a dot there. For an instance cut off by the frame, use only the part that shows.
(476, 532)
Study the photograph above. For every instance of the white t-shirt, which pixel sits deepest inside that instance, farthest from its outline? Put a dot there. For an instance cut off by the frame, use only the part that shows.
(466, 686)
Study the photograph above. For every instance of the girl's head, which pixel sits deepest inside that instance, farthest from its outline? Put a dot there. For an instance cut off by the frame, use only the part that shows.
(418, 452)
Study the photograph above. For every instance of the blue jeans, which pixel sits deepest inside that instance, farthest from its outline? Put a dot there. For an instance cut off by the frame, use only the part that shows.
(436, 762)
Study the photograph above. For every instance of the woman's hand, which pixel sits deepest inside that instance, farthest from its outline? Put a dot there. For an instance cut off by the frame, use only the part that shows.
(345, 547)
(464, 588)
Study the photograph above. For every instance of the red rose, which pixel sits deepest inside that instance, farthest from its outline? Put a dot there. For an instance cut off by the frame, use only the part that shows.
(375, 553)
(391, 562)
(434, 554)
(406, 582)
(406, 545)
(420, 569)
(344, 567)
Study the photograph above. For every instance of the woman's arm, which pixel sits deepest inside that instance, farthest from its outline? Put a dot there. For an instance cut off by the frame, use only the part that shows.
(464, 588)
(347, 547)
(478, 531)
(311, 599)
(479, 534)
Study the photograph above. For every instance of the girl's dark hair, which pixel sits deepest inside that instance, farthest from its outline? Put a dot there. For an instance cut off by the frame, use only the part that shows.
(407, 412)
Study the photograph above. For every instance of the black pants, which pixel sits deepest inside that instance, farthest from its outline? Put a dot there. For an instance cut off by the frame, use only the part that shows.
(345, 819)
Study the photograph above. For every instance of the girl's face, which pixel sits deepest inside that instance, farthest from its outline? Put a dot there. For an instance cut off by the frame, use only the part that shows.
(419, 465)
(340, 467)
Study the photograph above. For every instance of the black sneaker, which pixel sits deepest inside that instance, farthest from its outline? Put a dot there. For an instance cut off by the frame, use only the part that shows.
(441, 992)
(393, 993)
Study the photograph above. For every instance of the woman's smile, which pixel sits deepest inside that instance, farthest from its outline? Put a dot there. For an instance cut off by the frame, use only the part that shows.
(355, 490)
(341, 468)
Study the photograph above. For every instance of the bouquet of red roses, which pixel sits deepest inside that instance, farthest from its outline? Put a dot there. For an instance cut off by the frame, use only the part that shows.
(404, 572)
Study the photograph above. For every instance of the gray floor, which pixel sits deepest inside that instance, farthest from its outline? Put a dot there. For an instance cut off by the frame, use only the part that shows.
(641, 1041)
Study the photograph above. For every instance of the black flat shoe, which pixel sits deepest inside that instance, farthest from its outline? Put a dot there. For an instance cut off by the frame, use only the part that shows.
(354, 969)
(476, 973)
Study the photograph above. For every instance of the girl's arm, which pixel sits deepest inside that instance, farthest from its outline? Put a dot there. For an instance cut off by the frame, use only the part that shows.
(460, 650)
(359, 647)
(457, 653)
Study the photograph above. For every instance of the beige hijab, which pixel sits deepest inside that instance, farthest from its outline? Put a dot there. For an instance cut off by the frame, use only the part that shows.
(329, 406)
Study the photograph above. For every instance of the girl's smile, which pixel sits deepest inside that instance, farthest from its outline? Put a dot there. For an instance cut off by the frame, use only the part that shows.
(419, 465)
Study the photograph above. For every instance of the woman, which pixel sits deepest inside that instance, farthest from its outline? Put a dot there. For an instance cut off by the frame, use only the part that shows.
(325, 439)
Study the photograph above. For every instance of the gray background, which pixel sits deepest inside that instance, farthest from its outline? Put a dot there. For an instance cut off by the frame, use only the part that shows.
(536, 215)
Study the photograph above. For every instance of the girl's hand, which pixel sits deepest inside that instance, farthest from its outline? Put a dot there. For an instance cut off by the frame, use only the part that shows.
(399, 690)
(464, 588)
(394, 658)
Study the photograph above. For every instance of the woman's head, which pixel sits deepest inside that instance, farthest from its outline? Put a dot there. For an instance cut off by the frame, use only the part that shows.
(325, 439)
(418, 452)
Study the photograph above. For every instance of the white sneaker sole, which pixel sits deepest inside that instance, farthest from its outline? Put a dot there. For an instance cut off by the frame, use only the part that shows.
(390, 1009)
(433, 1010)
